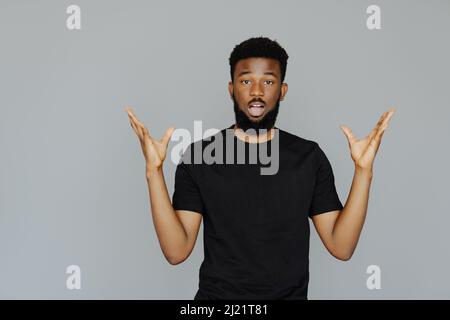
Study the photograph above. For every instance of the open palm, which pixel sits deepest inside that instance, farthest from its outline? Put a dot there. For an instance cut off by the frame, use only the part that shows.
(154, 150)
(363, 151)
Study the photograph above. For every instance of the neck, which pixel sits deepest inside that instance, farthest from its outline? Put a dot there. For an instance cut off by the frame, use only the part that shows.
(241, 135)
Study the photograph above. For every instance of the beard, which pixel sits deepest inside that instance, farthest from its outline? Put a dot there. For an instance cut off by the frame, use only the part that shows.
(267, 122)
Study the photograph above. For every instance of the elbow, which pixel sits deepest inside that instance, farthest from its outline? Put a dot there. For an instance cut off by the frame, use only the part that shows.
(343, 256)
(175, 259)
(176, 256)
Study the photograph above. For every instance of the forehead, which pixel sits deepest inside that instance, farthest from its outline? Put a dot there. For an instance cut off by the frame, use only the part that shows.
(257, 65)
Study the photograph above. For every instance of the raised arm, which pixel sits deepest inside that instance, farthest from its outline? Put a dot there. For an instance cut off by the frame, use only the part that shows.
(177, 230)
(340, 230)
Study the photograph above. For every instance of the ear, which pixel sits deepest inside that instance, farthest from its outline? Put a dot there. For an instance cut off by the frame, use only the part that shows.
(230, 89)
(284, 90)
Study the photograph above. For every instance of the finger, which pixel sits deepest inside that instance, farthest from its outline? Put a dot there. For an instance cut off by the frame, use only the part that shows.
(377, 126)
(374, 144)
(133, 116)
(349, 134)
(379, 135)
(129, 109)
(376, 140)
(167, 135)
(147, 133)
(385, 123)
(382, 124)
(147, 140)
(389, 116)
(135, 128)
(133, 125)
(141, 126)
(138, 127)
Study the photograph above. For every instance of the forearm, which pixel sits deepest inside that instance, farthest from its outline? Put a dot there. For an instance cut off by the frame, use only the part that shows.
(169, 229)
(349, 223)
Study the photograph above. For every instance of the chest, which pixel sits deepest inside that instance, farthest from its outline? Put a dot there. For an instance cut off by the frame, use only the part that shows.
(239, 197)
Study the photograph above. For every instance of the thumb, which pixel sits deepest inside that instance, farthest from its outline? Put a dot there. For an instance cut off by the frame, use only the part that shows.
(348, 133)
(167, 135)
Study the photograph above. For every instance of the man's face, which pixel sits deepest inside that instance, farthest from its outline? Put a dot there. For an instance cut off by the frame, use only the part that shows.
(256, 92)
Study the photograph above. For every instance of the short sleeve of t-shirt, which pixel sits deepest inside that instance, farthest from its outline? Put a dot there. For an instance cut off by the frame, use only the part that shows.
(186, 195)
(325, 197)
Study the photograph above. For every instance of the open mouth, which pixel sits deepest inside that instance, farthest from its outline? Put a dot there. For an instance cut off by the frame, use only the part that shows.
(256, 109)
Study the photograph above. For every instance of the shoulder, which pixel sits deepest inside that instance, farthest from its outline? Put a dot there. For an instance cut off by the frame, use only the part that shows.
(304, 148)
(192, 152)
(297, 143)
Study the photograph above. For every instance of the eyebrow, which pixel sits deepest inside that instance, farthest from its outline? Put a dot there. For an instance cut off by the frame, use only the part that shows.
(267, 72)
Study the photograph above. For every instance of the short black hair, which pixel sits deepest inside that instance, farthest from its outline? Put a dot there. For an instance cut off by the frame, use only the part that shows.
(259, 47)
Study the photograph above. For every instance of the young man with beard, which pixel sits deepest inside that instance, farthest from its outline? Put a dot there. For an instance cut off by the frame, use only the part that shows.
(256, 228)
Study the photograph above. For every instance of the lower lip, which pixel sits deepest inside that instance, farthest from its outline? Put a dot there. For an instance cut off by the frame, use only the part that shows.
(256, 111)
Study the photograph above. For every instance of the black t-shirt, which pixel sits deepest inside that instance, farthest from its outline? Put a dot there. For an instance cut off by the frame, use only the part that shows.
(255, 227)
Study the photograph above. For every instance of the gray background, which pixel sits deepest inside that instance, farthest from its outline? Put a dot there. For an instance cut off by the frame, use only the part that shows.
(72, 175)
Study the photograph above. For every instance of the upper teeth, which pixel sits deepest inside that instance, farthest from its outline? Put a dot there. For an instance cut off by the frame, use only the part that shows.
(256, 105)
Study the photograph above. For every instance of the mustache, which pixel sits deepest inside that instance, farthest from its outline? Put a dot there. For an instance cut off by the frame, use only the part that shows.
(257, 100)
(267, 122)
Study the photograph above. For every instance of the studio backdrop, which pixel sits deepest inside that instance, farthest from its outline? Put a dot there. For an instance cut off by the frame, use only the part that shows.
(73, 191)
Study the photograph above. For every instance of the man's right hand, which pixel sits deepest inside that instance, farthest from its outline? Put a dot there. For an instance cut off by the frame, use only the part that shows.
(154, 150)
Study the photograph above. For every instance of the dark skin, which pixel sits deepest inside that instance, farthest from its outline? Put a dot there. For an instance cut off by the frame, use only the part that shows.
(257, 79)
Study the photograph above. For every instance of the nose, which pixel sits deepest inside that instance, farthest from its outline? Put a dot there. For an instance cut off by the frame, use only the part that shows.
(256, 90)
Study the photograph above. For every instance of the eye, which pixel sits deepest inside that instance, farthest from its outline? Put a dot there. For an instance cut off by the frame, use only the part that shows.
(270, 81)
(245, 81)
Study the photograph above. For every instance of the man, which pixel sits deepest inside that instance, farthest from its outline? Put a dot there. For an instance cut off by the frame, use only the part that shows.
(256, 228)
